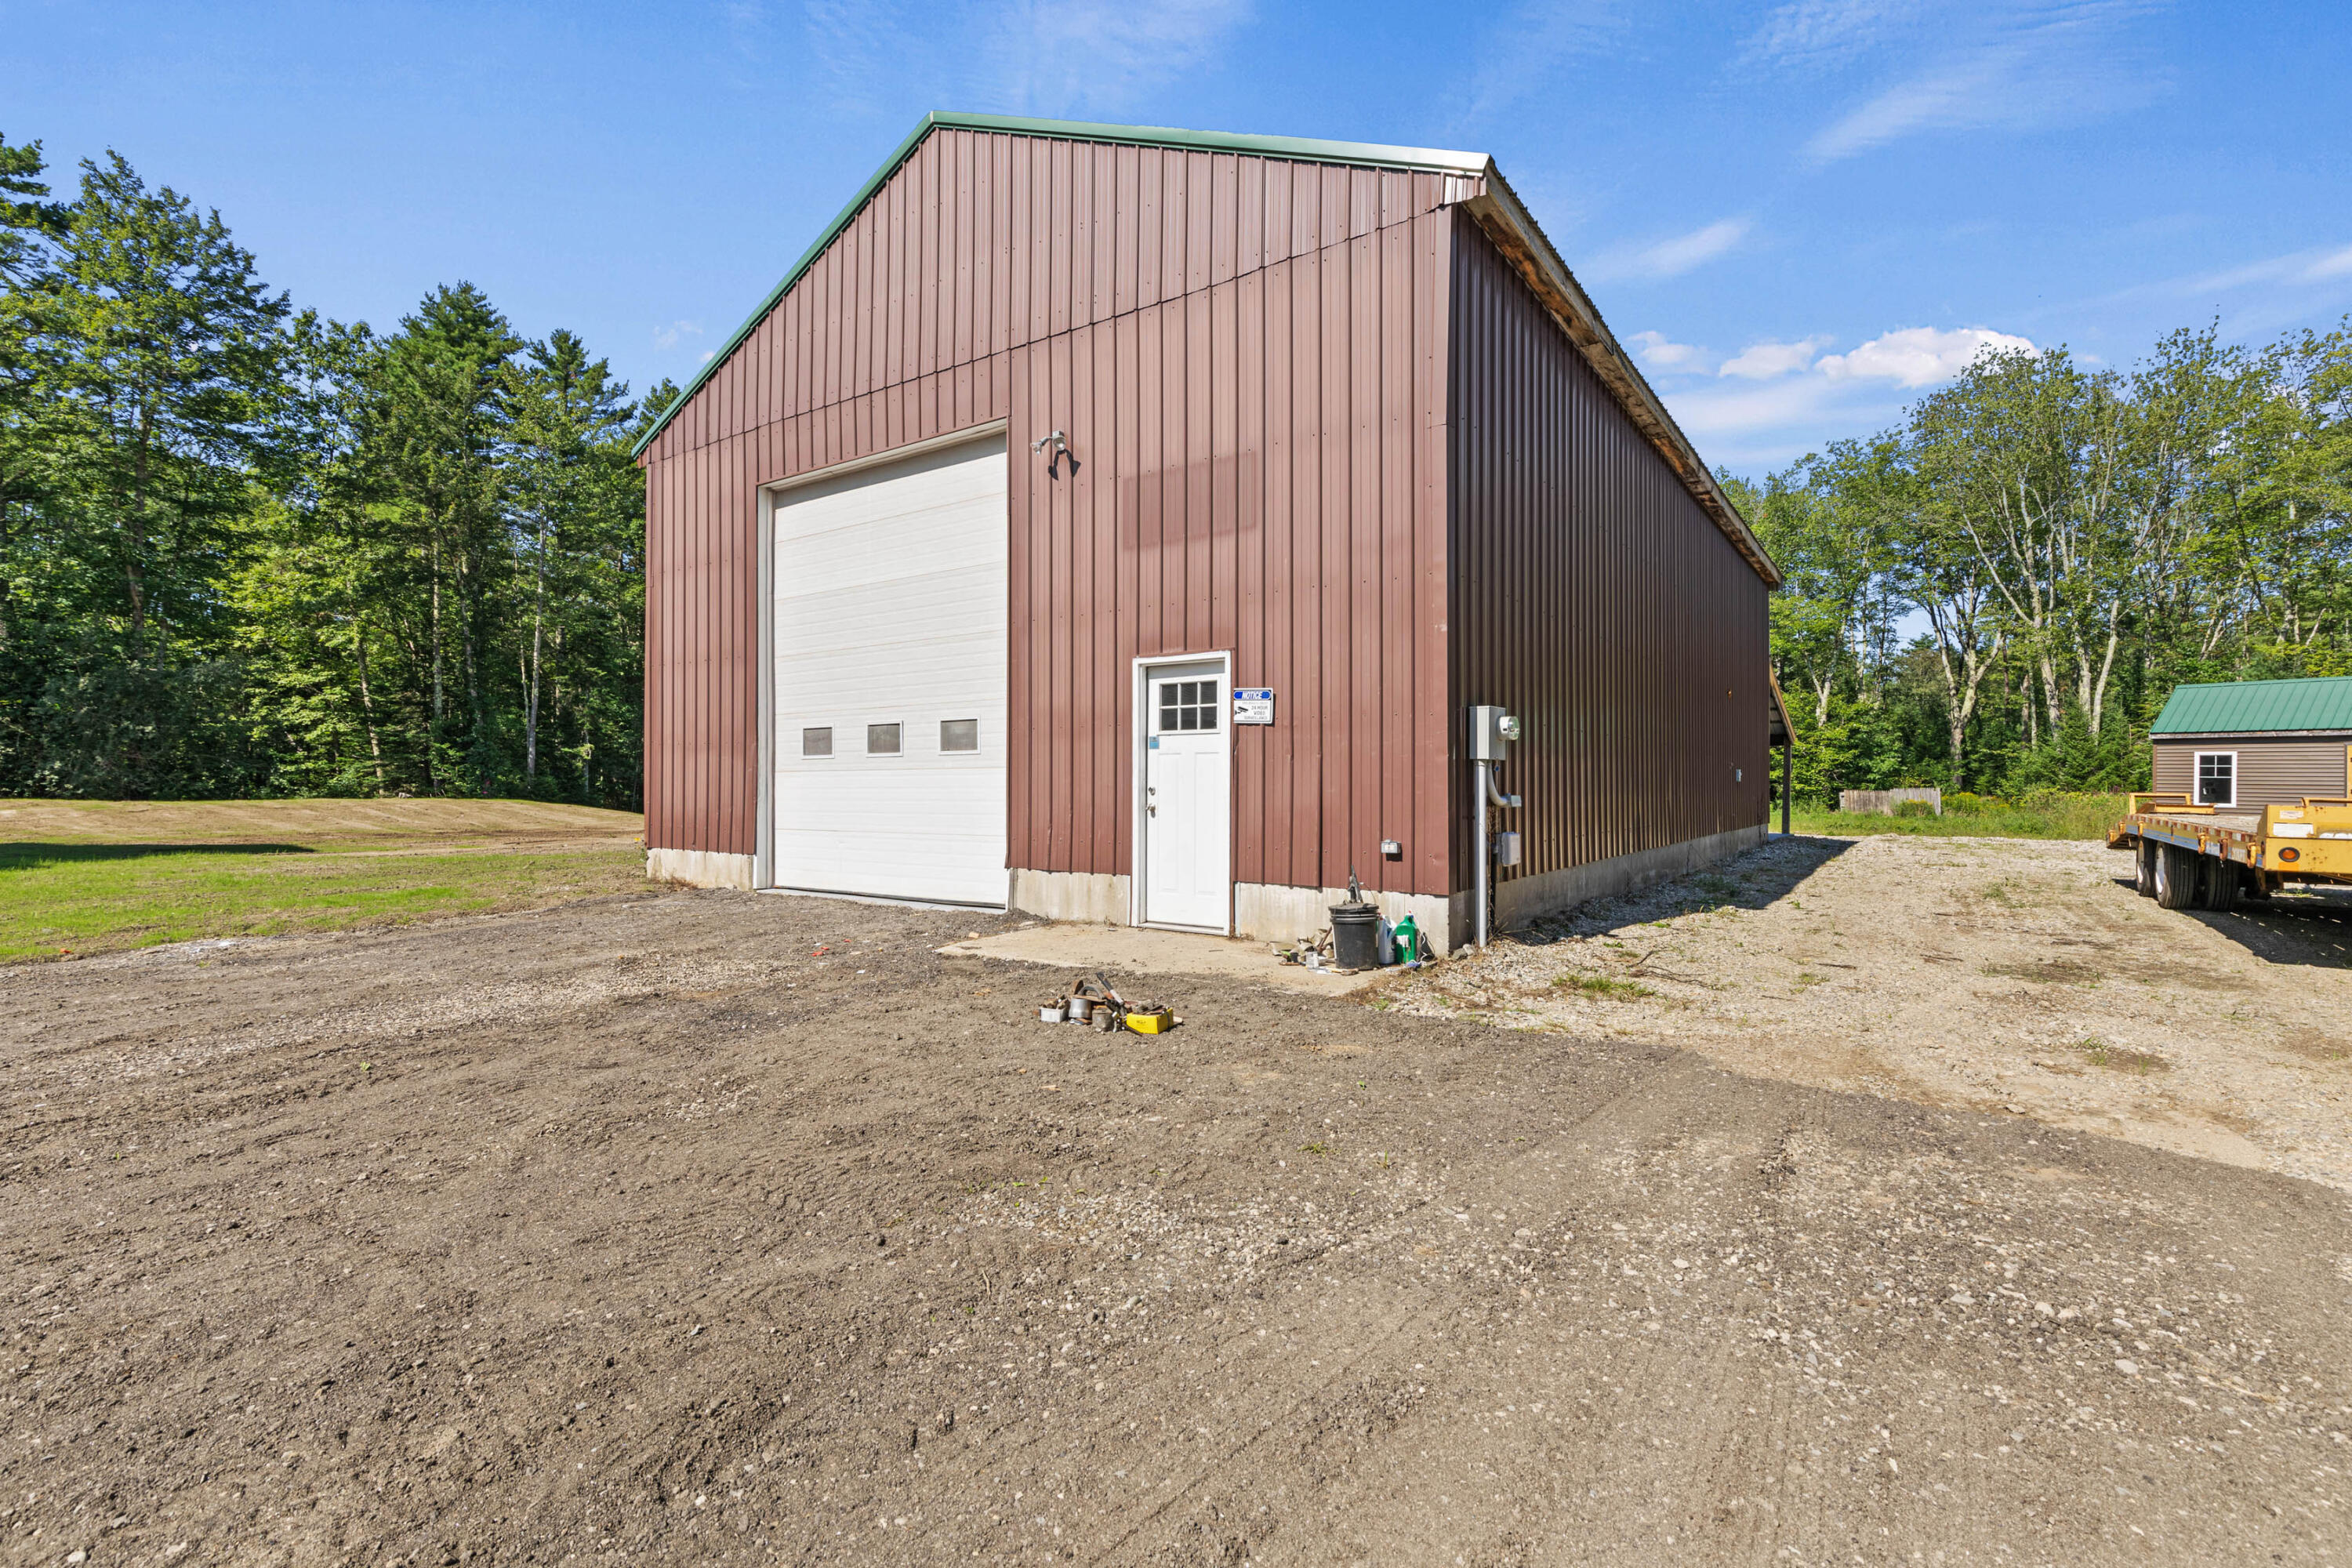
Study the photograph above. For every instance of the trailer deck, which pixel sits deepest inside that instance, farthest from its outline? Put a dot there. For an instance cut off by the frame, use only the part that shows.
(2211, 856)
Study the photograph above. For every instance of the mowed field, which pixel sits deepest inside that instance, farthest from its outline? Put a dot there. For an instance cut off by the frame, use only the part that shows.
(697, 1228)
(82, 877)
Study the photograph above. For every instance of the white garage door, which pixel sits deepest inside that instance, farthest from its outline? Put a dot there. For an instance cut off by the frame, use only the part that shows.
(890, 679)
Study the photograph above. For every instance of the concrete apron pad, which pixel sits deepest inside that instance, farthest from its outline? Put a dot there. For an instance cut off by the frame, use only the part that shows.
(1131, 950)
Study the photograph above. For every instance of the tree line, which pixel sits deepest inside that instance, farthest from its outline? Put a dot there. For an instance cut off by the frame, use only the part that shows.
(1998, 594)
(246, 550)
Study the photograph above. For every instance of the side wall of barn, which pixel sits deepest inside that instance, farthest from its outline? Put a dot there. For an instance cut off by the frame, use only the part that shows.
(1593, 597)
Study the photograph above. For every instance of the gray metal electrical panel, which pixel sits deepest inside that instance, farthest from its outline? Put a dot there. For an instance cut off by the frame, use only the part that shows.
(1491, 732)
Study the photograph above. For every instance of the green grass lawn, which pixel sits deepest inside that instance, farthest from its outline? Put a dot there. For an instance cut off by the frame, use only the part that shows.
(75, 893)
(2040, 817)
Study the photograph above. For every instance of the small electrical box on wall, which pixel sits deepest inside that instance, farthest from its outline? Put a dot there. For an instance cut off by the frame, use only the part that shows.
(1492, 731)
(1507, 850)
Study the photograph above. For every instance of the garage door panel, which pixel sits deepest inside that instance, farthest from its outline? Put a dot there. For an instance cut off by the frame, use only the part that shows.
(891, 608)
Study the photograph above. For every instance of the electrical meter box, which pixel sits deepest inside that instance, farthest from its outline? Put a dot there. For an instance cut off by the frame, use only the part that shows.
(1491, 732)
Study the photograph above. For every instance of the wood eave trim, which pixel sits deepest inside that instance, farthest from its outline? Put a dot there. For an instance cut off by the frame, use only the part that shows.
(1513, 230)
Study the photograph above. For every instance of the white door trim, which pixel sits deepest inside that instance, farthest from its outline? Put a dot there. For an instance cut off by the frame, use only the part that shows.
(1138, 695)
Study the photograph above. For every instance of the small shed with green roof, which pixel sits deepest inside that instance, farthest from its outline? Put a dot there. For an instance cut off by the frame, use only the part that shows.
(2250, 744)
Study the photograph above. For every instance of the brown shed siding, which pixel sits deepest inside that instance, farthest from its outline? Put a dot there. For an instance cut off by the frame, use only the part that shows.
(1592, 596)
(2272, 770)
(1105, 289)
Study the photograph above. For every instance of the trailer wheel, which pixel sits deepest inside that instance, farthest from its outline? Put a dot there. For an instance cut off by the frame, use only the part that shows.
(2217, 889)
(2144, 867)
(2176, 877)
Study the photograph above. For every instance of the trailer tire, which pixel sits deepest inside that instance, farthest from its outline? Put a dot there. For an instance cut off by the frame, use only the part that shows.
(2217, 889)
(2176, 877)
(2144, 867)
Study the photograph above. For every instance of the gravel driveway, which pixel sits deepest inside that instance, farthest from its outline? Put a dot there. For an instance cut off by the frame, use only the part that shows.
(716, 1228)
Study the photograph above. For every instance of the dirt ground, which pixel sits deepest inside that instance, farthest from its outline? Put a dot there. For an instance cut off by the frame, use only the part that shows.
(1990, 973)
(709, 1227)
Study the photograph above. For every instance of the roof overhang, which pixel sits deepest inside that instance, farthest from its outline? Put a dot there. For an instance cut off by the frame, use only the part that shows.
(2186, 735)
(1495, 208)
(1779, 730)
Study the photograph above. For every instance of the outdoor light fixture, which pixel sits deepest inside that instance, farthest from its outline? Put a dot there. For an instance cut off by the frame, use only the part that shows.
(1059, 445)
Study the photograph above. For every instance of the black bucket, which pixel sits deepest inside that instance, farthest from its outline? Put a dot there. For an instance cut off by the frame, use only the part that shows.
(1356, 935)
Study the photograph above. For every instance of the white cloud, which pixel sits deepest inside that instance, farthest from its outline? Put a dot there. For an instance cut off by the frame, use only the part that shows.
(1656, 350)
(1671, 257)
(1764, 360)
(1709, 412)
(1919, 356)
(1520, 53)
(667, 337)
(1961, 65)
(1042, 56)
(1058, 54)
(1775, 405)
(2296, 267)
(1817, 33)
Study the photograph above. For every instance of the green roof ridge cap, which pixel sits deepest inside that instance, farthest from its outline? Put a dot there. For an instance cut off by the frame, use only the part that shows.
(1366, 154)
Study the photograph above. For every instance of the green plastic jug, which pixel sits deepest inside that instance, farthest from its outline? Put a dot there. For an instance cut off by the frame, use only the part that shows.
(1407, 937)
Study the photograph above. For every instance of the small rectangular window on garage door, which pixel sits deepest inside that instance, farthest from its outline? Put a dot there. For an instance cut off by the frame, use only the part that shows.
(959, 734)
(816, 742)
(881, 740)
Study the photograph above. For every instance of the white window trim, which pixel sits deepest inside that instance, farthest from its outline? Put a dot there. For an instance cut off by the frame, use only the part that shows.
(2196, 776)
(1140, 696)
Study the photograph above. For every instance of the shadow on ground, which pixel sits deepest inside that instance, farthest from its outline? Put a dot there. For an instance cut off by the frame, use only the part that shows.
(27, 857)
(1765, 877)
(2307, 929)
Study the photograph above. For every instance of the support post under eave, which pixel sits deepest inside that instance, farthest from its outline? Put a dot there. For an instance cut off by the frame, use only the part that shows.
(1786, 746)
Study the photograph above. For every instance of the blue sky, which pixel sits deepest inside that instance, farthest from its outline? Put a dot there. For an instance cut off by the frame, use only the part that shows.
(1800, 215)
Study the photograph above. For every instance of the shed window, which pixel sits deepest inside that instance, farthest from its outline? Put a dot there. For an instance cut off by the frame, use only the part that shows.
(817, 742)
(881, 740)
(959, 734)
(2217, 778)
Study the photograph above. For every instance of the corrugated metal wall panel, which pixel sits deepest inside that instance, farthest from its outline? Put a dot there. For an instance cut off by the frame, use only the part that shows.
(1591, 595)
(2271, 772)
(1255, 476)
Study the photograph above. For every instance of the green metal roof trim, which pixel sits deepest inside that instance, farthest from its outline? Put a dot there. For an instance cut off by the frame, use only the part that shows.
(1363, 155)
(2254, 707)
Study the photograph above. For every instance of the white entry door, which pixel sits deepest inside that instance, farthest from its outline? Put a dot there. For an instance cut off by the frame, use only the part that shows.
(1186, 797)
(890, 639)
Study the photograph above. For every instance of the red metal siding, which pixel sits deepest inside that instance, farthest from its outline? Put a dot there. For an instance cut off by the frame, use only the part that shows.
(1259, 472)
(1592, 596)
(1272, 488)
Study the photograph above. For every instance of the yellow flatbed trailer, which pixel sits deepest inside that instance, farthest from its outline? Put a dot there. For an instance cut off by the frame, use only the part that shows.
(2210, 857)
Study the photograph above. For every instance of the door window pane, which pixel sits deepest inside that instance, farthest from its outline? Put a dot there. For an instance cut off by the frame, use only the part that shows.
(881, 740)
(816, 742)
(959, 734)
(1188, 705)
